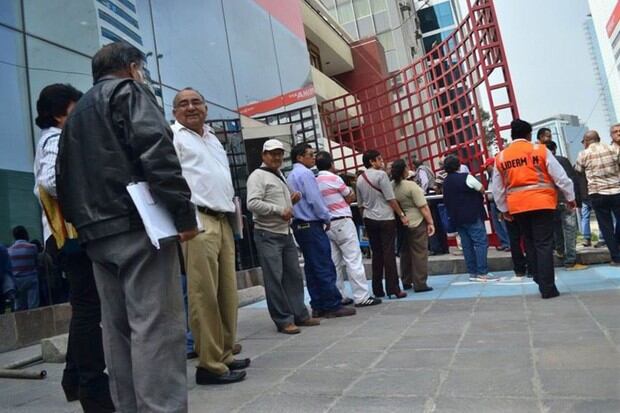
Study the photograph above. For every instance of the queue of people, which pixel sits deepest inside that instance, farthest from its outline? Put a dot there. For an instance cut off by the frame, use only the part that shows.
(126, 295)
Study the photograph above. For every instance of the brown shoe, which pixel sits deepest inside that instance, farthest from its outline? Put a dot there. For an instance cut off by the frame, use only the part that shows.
(309, 322)
(236, 348)
(340, 312)
(289, 329)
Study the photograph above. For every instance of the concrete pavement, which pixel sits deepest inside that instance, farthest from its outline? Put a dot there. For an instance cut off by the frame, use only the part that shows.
(465, 347)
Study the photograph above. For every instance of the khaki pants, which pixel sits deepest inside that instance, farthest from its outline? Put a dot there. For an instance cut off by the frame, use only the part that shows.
(414, 257)
(212, 290)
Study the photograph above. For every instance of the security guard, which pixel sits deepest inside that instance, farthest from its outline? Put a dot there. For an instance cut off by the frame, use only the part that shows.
(524, 184)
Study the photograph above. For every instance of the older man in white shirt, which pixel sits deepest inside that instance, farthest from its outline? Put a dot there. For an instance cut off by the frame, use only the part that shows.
(210, 257)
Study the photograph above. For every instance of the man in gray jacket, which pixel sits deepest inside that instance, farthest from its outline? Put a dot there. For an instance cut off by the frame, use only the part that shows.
(271, 204)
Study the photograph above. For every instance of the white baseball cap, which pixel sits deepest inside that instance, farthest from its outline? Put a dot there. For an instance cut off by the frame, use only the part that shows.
(272, 145)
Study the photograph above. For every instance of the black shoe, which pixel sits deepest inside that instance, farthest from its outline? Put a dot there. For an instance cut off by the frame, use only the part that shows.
(192, 355)
(407, 286)
(340, 312)
(380, 294)
(347, 301)
(600, 244)
(97, 405)
(317, 314)
(551, 294)
(70, 385)
(423, 290)
(204, 376)
(370, 301)
(239, 364)
(587, 243)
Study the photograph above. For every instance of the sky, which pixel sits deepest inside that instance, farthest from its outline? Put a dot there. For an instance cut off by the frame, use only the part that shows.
(548, 58)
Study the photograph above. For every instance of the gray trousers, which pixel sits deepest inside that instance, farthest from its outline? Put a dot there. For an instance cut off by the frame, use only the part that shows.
(143, 322)
(284, 283)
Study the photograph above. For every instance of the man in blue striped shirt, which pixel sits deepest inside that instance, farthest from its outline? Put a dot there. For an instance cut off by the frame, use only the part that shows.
(311, 221)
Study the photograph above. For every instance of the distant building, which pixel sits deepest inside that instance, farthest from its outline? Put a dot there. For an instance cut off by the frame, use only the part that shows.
(606, 21)
(607, 104)
(567, 132)
(393, 22)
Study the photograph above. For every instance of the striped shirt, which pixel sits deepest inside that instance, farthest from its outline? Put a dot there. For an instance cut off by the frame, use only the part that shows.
(333, 190)
(45, 168)
(23, 257)
(601, 164)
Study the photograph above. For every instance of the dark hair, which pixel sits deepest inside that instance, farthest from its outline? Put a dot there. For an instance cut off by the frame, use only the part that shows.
(19, 232)
(176, 97)
(451, 164)
(38, 244)
(541, 132)
(552, 146)
(54, 100)
(519, 129)
(370, 155)
(324, 161)
(114, 57)
(398, 167)
(299, 150)
(416, 162)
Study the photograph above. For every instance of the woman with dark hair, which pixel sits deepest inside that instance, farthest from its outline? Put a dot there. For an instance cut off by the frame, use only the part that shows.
(462, 195)
(414, 249)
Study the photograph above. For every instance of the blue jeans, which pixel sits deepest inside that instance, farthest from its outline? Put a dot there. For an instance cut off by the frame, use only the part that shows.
(318, 265)
(189, 338)
(499, 226)
(586, 211)
(475, 245)
(27, 292)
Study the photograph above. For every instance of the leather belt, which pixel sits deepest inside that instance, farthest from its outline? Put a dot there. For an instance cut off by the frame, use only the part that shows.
(210, 212)
(337, 218)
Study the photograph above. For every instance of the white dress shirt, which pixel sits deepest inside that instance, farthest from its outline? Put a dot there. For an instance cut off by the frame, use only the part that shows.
(45, 168)
(557, 173)
(204, 163)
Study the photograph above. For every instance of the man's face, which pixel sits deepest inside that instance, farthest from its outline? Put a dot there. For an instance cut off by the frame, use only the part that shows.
(546, 137)
(378, 163)
(273, 159)
(308, 159)
(615, 134)
(190, 110)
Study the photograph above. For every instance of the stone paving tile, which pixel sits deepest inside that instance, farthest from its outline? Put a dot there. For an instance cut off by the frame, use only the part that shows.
(514, 358)
(389, 383)
(501, 341)
(413, 359)
(591, 383)
(544, 339)
(379, 405)
(344, 360)
(428, 341)
(582, 406)
(578, 357)
(288, 403)
(219, 402)
(485, 405)
(483, 382)
(321, 382)
(284, 359)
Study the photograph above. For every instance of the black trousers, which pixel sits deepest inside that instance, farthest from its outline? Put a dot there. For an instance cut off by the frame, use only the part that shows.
(84, 370)
(537, 229)
(519, 262)
(604, 207)
(382, 235)
(438, 243)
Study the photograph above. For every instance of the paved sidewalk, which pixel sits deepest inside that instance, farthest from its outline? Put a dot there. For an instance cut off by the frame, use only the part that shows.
(464, 347)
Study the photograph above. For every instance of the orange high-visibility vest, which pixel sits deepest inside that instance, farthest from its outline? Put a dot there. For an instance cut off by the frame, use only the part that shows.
(529, 187)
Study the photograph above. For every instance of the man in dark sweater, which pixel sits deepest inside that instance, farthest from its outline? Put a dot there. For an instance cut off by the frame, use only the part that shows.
(565, 228)
(462, 195)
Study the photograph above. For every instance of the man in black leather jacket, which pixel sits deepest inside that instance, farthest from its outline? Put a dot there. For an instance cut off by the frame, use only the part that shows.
(117, 135)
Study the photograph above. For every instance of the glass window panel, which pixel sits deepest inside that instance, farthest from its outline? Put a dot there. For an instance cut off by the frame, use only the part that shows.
(10, 13)
(392, 60)
(70, 23)
(386, 40)
(365, 27)
(351, 28)
(382, 22)
(345, 13)
(378, 6)
(436, 17)
(329, 4)
(362, 8)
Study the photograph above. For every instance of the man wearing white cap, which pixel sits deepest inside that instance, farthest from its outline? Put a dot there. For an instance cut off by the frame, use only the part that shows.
(271, 203)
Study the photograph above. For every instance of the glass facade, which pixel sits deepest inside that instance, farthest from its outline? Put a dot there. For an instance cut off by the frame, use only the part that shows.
(235, 53)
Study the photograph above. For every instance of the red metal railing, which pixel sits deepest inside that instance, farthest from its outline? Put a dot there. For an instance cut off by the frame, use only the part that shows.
(431, 107)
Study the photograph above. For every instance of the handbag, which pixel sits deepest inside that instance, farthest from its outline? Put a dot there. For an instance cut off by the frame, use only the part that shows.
(446, 222)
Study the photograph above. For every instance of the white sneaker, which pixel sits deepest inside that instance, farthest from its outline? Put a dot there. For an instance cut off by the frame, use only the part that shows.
(487, 278)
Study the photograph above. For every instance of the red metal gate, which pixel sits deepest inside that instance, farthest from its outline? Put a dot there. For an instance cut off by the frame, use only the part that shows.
(432, 107)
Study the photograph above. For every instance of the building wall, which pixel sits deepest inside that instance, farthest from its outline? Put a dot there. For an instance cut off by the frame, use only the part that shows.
(198, 43)
(602, 12)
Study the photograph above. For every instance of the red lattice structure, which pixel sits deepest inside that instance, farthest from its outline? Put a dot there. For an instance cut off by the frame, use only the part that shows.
(432, 107)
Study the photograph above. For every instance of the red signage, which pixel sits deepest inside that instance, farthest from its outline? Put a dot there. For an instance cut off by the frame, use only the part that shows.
(613, 20)
(276, 102)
